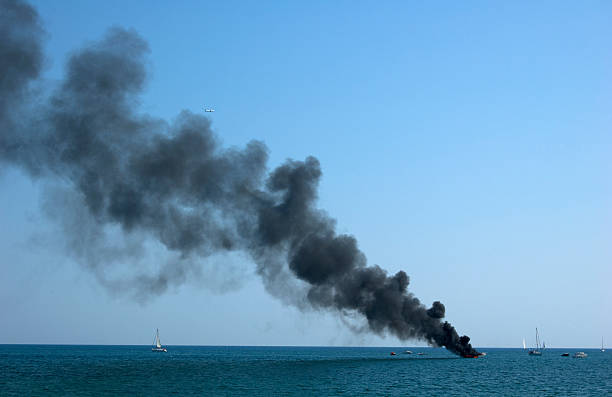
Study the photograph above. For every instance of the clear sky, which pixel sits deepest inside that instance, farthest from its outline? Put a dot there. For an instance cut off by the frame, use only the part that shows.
(467, 143)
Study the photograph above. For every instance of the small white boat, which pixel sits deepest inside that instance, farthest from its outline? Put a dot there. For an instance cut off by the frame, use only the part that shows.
(580, 355)
(157, 347)
(602, 348)
(407, 352)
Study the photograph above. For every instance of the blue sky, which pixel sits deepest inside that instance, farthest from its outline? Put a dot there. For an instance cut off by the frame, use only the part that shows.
(469, 144)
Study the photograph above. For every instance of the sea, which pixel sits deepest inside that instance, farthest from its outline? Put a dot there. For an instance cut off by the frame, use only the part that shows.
(77, 370)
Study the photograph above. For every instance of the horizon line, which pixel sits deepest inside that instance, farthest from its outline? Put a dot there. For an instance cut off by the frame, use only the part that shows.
(324, 346)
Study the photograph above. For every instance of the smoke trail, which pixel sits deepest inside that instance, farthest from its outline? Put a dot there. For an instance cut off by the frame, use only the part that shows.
(174, 184)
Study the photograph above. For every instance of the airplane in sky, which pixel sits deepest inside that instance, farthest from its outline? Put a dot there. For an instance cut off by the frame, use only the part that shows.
(209, 110)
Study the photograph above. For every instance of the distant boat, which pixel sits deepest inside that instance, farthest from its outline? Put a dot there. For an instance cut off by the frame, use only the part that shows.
(393, 354)
(407, 352)
(536, 351)
(524, 346)
(602, 348)
(580, 355)
(157, 347)
(564, 354)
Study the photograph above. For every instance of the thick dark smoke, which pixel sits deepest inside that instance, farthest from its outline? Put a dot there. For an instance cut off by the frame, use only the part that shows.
(21, 61)
(176, 185)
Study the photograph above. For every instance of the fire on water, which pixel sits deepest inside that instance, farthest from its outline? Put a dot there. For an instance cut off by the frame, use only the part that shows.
(473, 355)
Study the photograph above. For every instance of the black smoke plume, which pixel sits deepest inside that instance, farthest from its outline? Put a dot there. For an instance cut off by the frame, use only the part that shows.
(175, 184)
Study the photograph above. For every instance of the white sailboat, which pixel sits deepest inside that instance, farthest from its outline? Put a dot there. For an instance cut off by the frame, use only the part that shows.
(536, 351)
(157, 347)
(524, 345)
(602, 348)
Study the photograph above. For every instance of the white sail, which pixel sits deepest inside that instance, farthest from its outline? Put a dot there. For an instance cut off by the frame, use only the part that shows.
(157, 341)
(524, 345)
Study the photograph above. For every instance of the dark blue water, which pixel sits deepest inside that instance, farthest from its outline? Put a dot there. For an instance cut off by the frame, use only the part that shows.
(27, 370)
